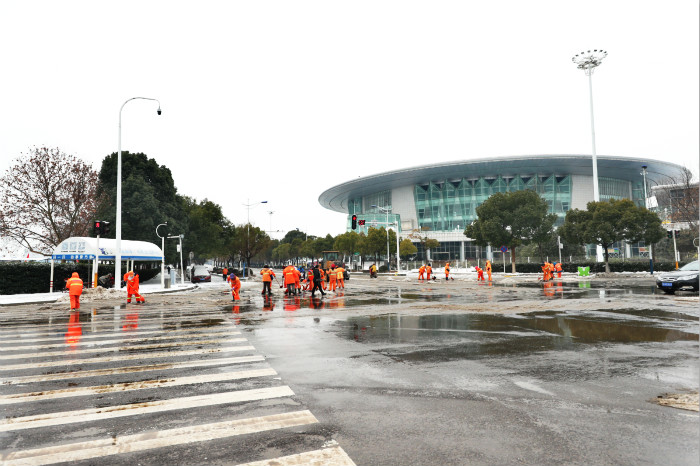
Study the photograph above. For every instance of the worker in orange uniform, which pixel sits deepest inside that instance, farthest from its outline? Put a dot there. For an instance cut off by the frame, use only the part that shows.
(447, 271)
(421, 272)
(297, 280)
(340, 277)
(267, 275)
(224, 274)
(428, 271)
(132, 287)
(488, 269)
(74, 285)
(480, 274)
(331, 278)
(289, 279)
(235, 283)
(557, 268)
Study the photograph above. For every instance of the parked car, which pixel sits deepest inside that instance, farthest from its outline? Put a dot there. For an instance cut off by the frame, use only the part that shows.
(685, 277)
(200, 274)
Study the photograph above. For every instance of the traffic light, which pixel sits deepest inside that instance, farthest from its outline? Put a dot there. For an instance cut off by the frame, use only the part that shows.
(354, 222)
(669, 234)
(100, 227)
(361, 223)
(678, 232)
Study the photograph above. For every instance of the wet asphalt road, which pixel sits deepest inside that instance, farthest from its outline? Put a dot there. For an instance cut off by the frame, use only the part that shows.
(386, 372)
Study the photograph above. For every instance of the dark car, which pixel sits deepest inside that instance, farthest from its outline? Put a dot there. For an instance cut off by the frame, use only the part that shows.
(200, 274)
(685, 277)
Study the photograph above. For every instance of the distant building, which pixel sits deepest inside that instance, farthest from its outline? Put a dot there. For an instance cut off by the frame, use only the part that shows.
(439, 200)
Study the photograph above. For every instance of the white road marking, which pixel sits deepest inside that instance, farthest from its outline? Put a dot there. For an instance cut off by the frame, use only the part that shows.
(123, 357)
(116, 349)
(126, 334)
(130, 369)
(157, 439)
(127, 339)
(110, 412)
(128, 386)
(334, 456)
(531, 386)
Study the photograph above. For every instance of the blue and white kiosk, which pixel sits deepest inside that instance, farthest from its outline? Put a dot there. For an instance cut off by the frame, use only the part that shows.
(103, 249)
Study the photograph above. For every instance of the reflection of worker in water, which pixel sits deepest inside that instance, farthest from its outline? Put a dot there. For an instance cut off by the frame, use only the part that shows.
(421, 272)
(488, 269)
(268, 304)
(132, 322)
(74, 285)
(132, 287)
(74, 331)
(549, 289)
(235, 283)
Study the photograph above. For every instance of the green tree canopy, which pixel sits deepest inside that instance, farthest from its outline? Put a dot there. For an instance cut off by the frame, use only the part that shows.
(510, 219)
(407, 248)
(607, 222)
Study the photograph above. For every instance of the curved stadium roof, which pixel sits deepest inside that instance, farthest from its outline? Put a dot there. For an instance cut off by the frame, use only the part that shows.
(623, 168)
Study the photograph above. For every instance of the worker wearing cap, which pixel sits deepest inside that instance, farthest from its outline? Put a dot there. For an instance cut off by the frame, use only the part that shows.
(421, 272)
(447, 271)
(428, 271)
(340, 277)
(289, 279)
(74, 285)
(332, 275)
(488, 269)
(267, 275)
(132, 287)
(235, 283)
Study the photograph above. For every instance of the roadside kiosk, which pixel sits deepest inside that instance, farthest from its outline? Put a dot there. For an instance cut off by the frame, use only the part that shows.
(104, 249)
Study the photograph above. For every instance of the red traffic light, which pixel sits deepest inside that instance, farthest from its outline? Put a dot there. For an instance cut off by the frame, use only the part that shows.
(354, 222)
(361, 222)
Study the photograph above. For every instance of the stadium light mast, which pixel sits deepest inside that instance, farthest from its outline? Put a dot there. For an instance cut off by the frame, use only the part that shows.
(588, 61)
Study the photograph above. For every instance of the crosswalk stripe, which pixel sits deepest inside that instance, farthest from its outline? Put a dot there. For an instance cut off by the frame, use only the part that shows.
(123, 357)
(121, 333)
(114, 349)
(158, 439)
(333, 456)
(149, 407)
(128, 386)
(128, 338)
(128, 370)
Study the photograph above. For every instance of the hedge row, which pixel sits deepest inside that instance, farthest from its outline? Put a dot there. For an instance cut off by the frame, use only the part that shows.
(35, 277)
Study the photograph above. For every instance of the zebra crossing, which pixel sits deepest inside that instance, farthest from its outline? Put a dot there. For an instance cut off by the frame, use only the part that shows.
(145, 385)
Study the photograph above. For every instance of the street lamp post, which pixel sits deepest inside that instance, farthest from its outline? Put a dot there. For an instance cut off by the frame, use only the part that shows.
(162, 251)
(646, 204)
(182, 264)
(588, 61)
(247, 238)
(387, 210)
(118, 246)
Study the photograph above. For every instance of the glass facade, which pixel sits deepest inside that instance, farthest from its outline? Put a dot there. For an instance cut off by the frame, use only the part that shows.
(451, 205)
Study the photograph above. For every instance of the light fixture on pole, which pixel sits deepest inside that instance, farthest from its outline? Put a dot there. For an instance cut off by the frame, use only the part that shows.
(646, 204)
(118, 245)
(162, 251)
(387, 210)
(588, 61)
(247, 238)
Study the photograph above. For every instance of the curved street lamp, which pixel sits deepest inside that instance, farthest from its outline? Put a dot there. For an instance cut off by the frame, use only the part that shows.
(118, 252)
(387, 209)
(162, 251)
(247, 239)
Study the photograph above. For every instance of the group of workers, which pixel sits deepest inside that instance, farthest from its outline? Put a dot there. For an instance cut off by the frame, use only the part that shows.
(74, 285)
(549, 269)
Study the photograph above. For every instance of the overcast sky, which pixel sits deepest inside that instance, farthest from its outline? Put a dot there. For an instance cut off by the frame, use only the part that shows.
(281, 100)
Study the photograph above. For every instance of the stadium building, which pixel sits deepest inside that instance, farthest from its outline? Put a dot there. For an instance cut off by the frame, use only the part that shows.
(439, 200)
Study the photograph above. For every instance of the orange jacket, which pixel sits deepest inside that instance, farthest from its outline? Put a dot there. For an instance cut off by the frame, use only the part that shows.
(422, 269)
(235, 283)
(267, 275)
(429, 270)
(332, 274)
(225, 271)
(132, 283)
(339, 273)
(488, 266)
(447, 268)
(557, 267)
(289, 275)
(74, 285)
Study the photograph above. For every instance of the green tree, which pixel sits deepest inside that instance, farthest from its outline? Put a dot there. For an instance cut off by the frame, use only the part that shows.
(281, 252)
(607, 222)
(407, 248)
(374, 243)
(346, 243)
(426, 243)
(207, 229)
(149, 197)
(510, 219)
(249, 242)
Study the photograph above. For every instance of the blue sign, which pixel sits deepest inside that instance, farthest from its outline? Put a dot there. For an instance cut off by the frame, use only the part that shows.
(504, 249)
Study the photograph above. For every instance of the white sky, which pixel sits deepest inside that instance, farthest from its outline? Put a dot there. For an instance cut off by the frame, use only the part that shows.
(280, 100)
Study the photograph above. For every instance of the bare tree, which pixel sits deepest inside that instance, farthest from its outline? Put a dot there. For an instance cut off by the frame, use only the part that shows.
(679, 196)
(46, 197)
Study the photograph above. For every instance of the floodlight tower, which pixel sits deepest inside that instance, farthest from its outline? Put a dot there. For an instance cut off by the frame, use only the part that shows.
(588, 61)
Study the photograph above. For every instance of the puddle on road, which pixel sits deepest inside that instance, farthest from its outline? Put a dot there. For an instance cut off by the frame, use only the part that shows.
(441, 337)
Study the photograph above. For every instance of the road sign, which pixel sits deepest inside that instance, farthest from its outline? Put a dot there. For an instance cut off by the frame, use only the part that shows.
(504, 249)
